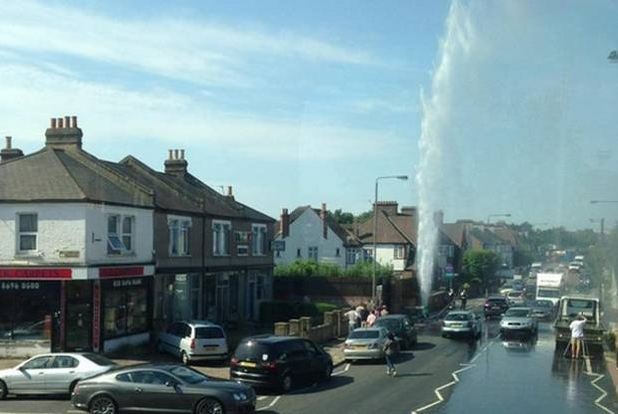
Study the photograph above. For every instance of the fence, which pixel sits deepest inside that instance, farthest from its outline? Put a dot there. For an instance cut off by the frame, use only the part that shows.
(335, 326)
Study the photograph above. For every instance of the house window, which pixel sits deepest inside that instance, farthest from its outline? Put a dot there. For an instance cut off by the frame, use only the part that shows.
(27, 234)
(221, 238)
(120, 234)
(338, 252)
(313, 253)
(367, 255)
(350, 257)
(179, 237)
(299, 255)
(400, 252)
(258, 239)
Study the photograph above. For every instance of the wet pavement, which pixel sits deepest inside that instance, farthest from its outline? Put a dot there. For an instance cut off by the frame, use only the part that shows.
(515, 376)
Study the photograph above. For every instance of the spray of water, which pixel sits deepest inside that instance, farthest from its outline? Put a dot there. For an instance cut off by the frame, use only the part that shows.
(436, 111)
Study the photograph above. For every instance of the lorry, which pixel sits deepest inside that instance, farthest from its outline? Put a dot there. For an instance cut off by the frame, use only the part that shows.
(569, 307)
(549, 286)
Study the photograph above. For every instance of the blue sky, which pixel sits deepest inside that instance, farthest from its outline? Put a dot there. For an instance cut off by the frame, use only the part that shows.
(296, 102)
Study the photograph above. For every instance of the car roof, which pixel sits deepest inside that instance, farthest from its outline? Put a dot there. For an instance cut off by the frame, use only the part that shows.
(394, 316)
(270, 339)
(459, 312)
(520, 308)
(496, 298)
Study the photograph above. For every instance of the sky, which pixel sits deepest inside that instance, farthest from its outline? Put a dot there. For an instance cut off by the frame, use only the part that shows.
(295, 103)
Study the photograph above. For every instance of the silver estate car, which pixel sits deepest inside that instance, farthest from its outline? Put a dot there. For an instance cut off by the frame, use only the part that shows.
(464, 323)
(52, 373)
(365, 343)
(519, 320)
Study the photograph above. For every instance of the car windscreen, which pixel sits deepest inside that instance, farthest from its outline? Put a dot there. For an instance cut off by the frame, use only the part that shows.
(255, 351)
(496, 301)
(457, 317)
(543, 304)
(390, 324)
(188, 375)
(364, 335)
(99, 360)
(209, 332)
(517, 313)
(549, 293)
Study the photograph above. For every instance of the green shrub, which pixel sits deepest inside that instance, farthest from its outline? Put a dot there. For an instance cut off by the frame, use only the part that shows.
(307, 268)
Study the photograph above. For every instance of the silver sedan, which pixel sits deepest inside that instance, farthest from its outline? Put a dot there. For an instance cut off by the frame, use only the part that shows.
(51, 373)
(461, 323)
(365, 343)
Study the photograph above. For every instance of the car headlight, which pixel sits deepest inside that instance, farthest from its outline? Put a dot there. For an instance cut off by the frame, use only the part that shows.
(240, 396)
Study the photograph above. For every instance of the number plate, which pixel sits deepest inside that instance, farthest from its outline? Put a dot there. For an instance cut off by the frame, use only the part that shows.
(248, 364)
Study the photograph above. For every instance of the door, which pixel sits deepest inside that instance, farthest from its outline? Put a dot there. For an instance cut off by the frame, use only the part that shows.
(79, 316)
(30, 377)
(62, 372)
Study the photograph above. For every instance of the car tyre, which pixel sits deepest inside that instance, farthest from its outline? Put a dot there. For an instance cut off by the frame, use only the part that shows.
(3, 390)
(102, 404)
(286, 383)
(185, 358)
(209, 406)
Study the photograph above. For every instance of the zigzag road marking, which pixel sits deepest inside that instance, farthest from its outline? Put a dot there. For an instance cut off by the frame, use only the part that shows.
(437, 390)
(597, 402)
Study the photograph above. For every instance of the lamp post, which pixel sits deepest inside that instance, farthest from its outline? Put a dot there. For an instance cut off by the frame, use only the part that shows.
(602, 223)
(375, 231)
(497, 215)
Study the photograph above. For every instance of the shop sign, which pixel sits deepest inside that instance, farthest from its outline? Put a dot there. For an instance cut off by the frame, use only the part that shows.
(19, 285)
(69, 254)
(34, 273)
(96, 315)
(111, 272)
(126, 282)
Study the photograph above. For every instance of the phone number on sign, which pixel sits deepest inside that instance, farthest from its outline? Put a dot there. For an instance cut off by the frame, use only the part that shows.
(20, 285)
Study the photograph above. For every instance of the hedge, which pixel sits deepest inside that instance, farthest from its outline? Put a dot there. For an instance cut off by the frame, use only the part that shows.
(282, 311)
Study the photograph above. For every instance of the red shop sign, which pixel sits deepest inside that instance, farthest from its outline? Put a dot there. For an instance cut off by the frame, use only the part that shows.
(35, 273)
(111, 272)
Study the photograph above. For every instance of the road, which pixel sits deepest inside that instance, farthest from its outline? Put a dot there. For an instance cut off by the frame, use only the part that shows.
(494, 376)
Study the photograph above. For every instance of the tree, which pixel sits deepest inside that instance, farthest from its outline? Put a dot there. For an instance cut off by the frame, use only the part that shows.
(479, 267)
(342, 217)
(364, 216)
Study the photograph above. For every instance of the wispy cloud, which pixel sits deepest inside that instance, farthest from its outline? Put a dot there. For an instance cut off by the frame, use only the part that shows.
(199, 52)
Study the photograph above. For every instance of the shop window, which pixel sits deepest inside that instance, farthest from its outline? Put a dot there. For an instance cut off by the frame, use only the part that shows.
(221, 238)
(27, 234)
(126, 309)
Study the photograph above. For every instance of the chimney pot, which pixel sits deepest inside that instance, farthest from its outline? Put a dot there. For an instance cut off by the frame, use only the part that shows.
(60, 123)
(323, 215)
(175, 154)
(229, 191)
(53, 123)
(170, 154)
(182, 154)
(285, 223)
(73, 121)
(67, 121)
(8, 142)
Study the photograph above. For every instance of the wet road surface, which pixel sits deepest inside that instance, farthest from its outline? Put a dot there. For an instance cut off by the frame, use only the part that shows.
(515, 376)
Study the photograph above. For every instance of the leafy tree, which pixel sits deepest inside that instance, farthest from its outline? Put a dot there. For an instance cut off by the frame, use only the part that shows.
(364, 216)
(307, 268)
(480, 266)
(342, 217)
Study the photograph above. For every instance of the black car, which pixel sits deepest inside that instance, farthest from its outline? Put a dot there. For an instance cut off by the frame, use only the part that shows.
(495, 306)
(401, 326)
(162, 388)
(279, 361)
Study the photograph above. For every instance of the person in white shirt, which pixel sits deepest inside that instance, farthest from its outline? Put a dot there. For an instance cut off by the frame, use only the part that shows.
(352, 316)
(371, 318)
(577, 335)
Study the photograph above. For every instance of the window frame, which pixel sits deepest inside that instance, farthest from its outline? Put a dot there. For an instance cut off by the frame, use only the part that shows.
(21, 233)
(400, 252)
(258, 239)
(225, 241)
(179, 232)
(120, 234)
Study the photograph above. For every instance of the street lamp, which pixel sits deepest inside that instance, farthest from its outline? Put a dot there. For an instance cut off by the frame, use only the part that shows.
(497, 215)
(602, 223)
(375, 232)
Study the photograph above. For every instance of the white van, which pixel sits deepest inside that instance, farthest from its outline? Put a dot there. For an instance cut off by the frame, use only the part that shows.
(194, 341)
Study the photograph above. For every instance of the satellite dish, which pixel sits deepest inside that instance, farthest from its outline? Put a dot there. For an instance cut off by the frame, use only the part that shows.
(613, 56)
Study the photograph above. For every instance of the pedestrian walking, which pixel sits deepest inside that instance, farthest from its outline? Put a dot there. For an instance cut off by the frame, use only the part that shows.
(371, 319)
(577, 335)
(362, 315)
(353, 317)
(390, 349)
(384, 311)
(451, 298)
(464, 298)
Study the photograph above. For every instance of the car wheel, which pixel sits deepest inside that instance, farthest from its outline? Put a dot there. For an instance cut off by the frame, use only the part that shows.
(327, 372)
(209, 406)
(3, 390)
(185, 358)
(72, 386)
(102, 405)
(286, 383)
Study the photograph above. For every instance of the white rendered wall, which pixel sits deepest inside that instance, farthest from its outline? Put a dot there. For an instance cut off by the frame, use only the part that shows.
(307, 231)
(386, 256)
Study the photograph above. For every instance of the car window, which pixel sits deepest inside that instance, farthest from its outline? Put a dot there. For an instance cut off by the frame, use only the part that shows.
(189, 375)
(186, 331)
(255, 351)
(210, 332)
(295, 348)
(150, 377)
(123, 377)
(457, 317)
(358, 334)
(38, 363)
(309, 346)
(517, 313)
(64, 361)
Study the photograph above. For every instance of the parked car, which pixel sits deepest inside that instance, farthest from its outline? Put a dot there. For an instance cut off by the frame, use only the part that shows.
(194, 341)
(543, 309)
(365, 343)
(464, 323)
(32, 331)
(519, 320)
(495, 306)
(279, 361)
(401, 326)
(51, 373)
(516, 298)
(162, 388)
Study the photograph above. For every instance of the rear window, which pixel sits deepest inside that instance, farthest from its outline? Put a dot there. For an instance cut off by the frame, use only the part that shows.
(517, 313)
(390, 324)
(457, 317)
(210, 332)
(365, 334)
(496, 301)
(99, 360)
(543, 304)
(255, 351)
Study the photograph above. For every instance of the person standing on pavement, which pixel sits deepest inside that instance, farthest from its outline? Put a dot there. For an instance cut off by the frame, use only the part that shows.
(464, 298)
(577, 335)
(390, 348)
(371, 319)
(384, 311)
(353, 317)
(362, 314)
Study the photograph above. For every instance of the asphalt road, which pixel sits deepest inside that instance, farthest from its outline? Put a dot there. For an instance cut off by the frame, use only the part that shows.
(494, 377)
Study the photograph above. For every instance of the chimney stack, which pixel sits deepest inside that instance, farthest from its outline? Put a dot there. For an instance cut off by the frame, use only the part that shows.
(176, 164)
(389, 207)
(9, 153)
(230, 192)
(285, 223)
(438, 218)
(323, 216)
(64, 133)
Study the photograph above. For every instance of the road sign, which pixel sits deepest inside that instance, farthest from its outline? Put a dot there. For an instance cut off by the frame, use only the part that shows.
(450, 275)
(448, 268)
